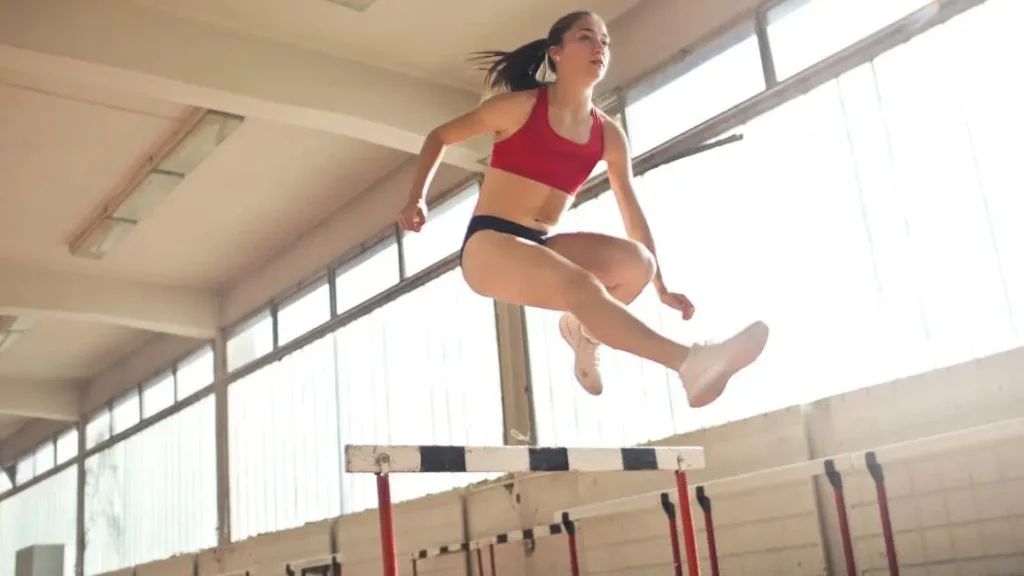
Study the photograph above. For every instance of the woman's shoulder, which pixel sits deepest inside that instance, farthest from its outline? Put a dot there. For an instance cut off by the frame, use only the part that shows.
(513, 108)
(505, 98)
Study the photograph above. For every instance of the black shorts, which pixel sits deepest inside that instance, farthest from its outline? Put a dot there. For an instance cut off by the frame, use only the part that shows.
(478, 223)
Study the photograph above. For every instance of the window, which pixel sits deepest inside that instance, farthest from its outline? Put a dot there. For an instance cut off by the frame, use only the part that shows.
(125, 412)
(158, 395)
(304, 311)
(803, 32)
(420, 370)
(283, 443)
(696, 90)
(443, 233)
(367, 275)
(45, 457)
(830, 220)
(67, 445)
(251, 340)
(195, 373)
(152, 495)
(98, 428)
(42, 514)
(25, 469)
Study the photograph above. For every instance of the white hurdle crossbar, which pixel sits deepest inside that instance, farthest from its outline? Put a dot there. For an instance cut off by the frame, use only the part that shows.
(384, 460)
(832, 467)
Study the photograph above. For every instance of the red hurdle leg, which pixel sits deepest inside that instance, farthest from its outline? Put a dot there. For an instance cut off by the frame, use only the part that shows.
(836, 480)
(689, 534)
(673, 533)
(388, 548)
(570, 530)
(709, 527)
(883, 508)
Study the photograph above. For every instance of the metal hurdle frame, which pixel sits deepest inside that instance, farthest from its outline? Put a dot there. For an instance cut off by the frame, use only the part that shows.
(526, 534)
(384, 460)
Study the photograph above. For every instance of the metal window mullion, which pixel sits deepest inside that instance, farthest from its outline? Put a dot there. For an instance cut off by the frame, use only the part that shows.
(79, 459)
(174, 382)
(332, 289)
(400, 240)
(223, 461)
(764, 45)
(274, 327)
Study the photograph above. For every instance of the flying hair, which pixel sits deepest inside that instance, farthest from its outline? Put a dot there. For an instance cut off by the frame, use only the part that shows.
(517, 70)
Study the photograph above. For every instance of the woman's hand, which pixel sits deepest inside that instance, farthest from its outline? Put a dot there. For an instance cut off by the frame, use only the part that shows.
(677, 301)
(413, 216)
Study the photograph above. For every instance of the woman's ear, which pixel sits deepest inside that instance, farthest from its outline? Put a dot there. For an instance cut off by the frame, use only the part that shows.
(554, 53)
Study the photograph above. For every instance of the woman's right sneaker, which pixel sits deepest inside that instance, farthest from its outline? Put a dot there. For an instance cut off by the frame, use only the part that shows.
(709, 366)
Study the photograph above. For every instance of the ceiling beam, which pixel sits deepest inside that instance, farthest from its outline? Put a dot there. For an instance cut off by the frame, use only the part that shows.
(132, 48)
(40, 292)
(37, 398)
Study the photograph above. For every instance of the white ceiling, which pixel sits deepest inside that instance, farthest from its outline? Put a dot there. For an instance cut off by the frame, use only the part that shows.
(59, 349)
(66, 145)
(62, 153)
(425, 38)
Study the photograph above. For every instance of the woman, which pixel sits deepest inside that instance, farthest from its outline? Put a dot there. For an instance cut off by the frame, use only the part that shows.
(548, 138)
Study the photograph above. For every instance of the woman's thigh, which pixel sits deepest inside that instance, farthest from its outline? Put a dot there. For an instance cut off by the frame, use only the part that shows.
(615, 261)
(517, 271)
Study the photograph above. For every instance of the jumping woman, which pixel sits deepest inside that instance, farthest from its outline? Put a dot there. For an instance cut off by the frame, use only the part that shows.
(548, 139)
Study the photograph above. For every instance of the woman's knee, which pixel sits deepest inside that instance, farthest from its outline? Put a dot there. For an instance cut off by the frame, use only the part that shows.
(639, 265)
(579, 288)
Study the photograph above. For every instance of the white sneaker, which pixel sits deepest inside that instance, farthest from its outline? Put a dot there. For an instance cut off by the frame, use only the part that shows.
(708, 367)
(588, 361)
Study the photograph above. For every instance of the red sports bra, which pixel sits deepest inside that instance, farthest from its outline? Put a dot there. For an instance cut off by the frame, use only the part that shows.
(537, 152)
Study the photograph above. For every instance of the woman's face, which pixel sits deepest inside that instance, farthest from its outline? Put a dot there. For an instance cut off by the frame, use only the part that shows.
(584, 54)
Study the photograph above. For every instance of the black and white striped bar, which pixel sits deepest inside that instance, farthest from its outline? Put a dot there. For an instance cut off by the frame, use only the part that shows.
(426, 459)
(498, 539)
(780, 475)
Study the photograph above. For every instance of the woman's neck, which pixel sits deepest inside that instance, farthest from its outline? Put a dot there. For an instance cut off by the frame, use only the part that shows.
(575, 100)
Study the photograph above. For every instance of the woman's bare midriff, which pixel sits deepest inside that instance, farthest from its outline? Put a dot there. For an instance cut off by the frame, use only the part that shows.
(521, 200)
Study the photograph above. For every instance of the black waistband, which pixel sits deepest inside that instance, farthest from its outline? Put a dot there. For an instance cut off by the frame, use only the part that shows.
(484, 222)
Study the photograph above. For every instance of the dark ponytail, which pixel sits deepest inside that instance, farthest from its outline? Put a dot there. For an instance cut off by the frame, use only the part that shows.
(517, 70)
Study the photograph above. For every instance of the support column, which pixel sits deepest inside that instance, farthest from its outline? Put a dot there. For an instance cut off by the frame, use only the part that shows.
(513, 356)
(220, 400)
(80, 502)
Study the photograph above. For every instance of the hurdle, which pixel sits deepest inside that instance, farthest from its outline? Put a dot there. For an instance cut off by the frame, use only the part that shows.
(526, 534)
(384, 460)
(832, 467)
(320, 566)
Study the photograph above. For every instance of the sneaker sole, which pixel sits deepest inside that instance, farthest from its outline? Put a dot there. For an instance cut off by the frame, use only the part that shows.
(753, 339)
(564, 331)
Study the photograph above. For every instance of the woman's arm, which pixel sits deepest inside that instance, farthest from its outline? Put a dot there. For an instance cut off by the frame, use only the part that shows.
(497, 114)
(620, 176)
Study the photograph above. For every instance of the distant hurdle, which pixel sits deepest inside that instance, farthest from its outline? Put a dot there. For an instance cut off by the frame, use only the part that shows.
(832, 468)
(384, 460)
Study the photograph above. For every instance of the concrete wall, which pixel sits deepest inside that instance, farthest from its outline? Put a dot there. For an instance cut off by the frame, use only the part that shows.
(958, 512)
